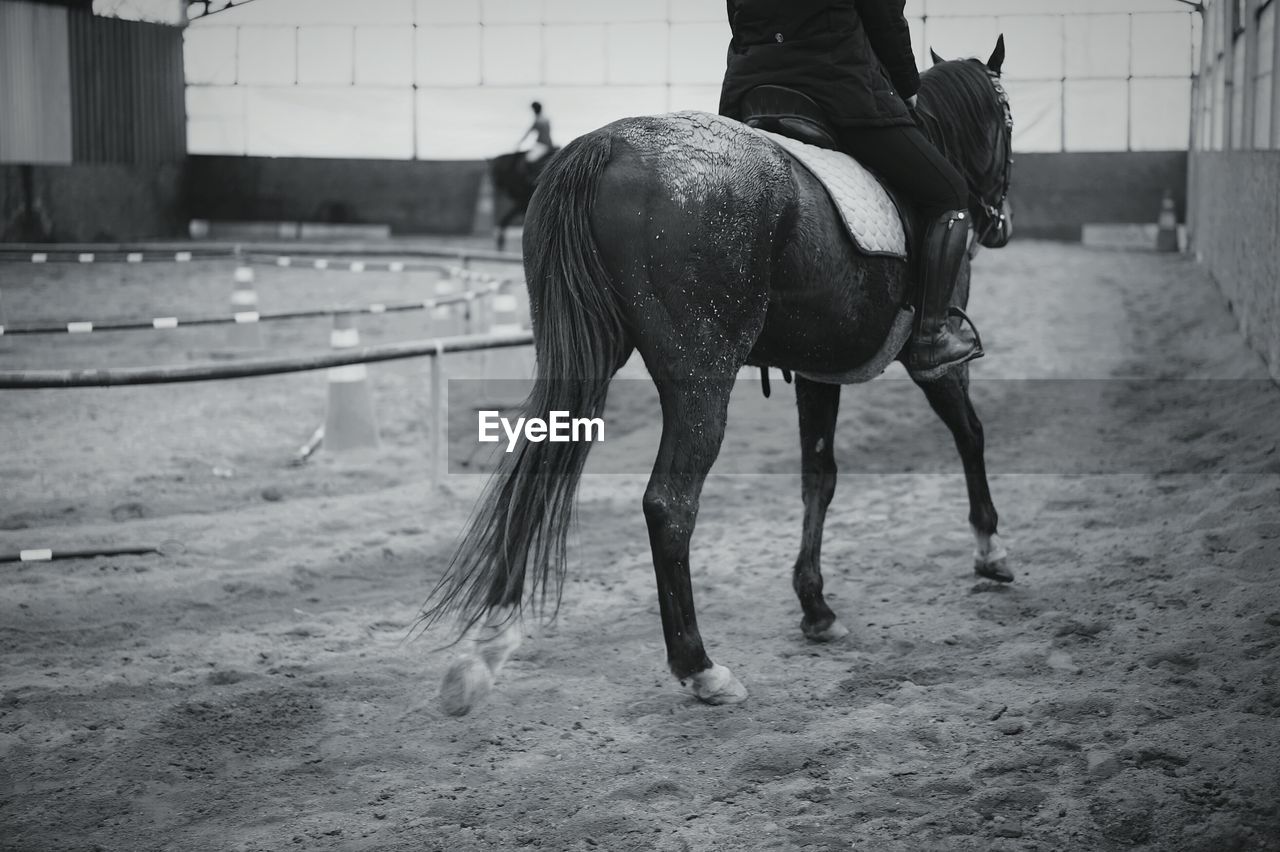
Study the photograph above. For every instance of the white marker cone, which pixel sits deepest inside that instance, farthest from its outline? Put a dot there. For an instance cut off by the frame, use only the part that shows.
(349, 421)
(246, 333)
(446, 320)
(1167, 225)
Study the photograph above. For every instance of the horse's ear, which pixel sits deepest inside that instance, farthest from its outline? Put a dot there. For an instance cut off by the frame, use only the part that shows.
(997, 55)
(936, 58)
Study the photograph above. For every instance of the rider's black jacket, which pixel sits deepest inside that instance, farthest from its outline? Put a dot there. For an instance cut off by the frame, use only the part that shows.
(853, 57)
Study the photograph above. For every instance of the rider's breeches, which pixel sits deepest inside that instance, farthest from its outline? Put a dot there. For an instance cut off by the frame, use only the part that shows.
(907, 161)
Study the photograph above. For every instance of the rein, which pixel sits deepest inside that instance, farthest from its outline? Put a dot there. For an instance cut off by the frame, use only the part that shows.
(995, 213)
(935, 130)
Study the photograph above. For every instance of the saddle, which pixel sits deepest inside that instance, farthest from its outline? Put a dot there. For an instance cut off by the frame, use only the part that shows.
(794, 115)
(790, 113)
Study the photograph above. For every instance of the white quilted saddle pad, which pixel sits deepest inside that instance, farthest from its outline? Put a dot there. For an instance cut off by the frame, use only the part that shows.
(869, 213)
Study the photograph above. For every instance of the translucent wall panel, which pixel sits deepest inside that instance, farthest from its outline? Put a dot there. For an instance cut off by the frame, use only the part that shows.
(1037, 115)
(434, 12)
(468, 124)
(704, 11)
(583, 109)
(341, 122)
(486, 122)
(1262, 112)
(1159, 114)
(296, 12)
(574, 53)
(1097, 46)
(1267, 39)
(637, 53)
(1265, 79)
(671, 55)
(1218, 123)
(511, 11)
(1197, 33)
(607, 11)
(919, 43)
(209, 55)
(384, 56)
(1033, 47)
(1162, 45)
(704, 98)
(511, 55)
(215, 120)
(959, 38)
(326, 55)
(266, 56)
(1040, 7)
(448, 56)
(1096, 113)
(1238, 71)
(698, 53)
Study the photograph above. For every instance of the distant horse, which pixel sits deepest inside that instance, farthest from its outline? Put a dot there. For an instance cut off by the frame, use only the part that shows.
(698, 242)
(516, 178)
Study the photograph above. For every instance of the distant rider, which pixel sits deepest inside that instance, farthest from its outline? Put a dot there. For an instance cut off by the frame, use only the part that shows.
(542, 146)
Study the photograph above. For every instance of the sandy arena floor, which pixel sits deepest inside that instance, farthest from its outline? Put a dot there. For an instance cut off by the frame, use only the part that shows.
(252, 689)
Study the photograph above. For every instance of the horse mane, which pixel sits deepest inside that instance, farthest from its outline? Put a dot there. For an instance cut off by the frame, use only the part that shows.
(959, 110)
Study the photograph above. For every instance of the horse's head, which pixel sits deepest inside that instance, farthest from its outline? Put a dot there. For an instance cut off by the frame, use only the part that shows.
(968, 116)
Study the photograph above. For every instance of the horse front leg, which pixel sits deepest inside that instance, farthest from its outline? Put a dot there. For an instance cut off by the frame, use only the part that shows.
(693, 420)
(949, 398)
(818, 405)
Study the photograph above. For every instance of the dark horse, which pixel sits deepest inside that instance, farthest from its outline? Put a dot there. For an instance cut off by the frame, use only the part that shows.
(516, 178)
(702, 245)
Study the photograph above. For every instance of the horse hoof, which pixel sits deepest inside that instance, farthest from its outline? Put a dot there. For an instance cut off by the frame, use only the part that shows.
(831, 633)
(996, 569)
(716, 685)
(465, 685)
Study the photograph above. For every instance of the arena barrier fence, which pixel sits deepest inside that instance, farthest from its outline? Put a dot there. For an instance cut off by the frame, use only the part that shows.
(493, 286)
(335, 254)
(433, 349)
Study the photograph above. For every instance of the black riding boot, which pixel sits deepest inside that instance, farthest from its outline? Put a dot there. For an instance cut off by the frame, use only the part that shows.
(934, 348)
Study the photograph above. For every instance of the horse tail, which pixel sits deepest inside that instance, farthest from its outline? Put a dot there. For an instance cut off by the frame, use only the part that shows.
(513, 550)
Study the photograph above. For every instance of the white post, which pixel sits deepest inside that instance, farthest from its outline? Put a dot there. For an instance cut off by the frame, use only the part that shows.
(439, 418)
(1275, 78)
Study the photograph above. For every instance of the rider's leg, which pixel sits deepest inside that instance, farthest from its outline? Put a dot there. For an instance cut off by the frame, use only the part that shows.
(905, 159)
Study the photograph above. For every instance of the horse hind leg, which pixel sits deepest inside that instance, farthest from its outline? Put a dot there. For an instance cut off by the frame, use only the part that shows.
(818, 405)
(470, 679)
(693, 421)
(949, 398)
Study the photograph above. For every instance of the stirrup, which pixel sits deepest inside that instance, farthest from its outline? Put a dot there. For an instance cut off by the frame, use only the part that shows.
(934, 373)
(953, 311)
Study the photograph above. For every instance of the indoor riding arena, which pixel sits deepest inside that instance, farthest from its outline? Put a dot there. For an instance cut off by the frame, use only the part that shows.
(267, 582)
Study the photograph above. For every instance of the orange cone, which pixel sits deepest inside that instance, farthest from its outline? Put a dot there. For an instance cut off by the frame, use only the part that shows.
(247, 331)
(349, 421)
(1167, 225)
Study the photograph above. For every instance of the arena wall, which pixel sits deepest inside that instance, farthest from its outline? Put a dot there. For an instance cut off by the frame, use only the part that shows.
(1235, 233)
(412, 196)
(91, 202)
(1055, 194)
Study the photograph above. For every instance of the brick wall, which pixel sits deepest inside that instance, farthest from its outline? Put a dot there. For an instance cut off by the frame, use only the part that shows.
(1235, 233)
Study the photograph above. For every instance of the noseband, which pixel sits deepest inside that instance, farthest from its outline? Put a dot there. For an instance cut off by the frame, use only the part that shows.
(995, 212)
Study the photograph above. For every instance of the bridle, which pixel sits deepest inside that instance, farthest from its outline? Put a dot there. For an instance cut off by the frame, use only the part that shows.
(995, 212)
